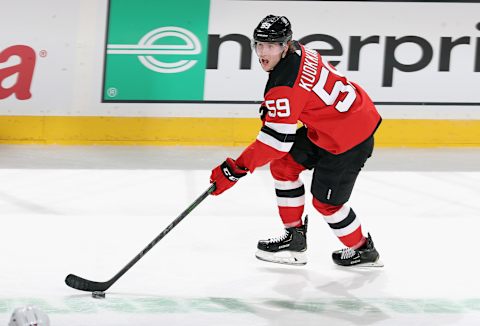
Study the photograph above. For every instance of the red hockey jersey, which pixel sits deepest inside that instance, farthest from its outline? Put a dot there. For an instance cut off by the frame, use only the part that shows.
(303, 87)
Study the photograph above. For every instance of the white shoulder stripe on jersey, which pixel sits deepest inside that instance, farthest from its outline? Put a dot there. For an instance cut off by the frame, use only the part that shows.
(283, 128)
(273, 142)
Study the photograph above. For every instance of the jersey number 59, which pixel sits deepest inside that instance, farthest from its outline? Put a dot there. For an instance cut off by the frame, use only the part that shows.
(329, 98)
(279, 107)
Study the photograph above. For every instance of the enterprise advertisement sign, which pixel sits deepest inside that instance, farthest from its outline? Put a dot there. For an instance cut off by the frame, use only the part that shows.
(199, 50)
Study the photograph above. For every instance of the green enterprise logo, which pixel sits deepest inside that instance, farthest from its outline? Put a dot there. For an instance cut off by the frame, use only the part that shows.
(156, 51)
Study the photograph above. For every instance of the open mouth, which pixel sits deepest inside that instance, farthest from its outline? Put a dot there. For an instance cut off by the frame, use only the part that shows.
(264, 62)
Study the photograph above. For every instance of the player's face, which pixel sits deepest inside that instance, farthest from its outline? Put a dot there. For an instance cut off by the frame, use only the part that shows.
(269, 53)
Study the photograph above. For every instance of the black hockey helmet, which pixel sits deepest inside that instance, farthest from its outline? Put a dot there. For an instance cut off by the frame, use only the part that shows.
(273, 29)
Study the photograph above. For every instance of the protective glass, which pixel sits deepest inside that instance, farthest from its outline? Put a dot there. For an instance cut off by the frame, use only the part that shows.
(267, 48)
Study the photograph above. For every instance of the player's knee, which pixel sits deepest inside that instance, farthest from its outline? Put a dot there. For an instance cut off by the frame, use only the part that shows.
(284, 169)
(324, 208)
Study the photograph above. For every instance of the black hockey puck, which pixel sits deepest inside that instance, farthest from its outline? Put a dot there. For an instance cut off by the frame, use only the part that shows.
(98, 295)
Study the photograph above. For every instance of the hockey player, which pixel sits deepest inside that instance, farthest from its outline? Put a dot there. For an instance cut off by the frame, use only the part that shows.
(29, 316)
(336, 139)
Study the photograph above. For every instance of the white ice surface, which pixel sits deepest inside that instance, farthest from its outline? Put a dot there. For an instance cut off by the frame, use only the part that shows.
(89, 211)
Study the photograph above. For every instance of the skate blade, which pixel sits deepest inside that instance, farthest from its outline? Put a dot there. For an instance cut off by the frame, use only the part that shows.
(377, 263)
(283, 257)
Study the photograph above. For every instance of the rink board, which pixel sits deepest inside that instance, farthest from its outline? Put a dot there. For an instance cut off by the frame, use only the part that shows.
(214, 131)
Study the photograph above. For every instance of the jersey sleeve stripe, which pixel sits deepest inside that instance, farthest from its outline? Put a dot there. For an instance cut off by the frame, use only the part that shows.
(284, 128)
(274, 143)
(286, 138)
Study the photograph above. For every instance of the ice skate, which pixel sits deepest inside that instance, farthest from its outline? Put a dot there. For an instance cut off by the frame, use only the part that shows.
(288, 248)
(365, 256)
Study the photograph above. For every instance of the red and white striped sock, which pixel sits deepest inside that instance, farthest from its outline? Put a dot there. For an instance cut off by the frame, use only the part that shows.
(291, 202)
(344, 223)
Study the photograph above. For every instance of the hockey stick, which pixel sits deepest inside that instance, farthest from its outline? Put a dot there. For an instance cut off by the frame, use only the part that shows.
(82, 284)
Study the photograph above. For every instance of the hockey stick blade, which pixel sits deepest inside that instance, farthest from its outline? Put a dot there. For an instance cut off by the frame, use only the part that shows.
(82, 284)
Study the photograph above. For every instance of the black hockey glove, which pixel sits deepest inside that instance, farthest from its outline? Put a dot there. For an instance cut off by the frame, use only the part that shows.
(263, 110)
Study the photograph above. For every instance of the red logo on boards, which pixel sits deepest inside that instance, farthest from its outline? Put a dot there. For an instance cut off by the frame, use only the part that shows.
(21, 73)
